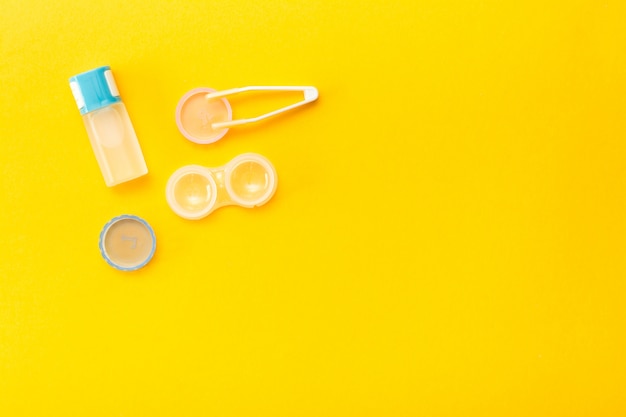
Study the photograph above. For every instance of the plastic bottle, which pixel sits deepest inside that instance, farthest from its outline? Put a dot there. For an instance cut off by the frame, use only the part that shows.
(108, 125)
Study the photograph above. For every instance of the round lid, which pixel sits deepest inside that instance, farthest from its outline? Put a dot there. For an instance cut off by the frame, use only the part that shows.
(127, 242)
(195, 115)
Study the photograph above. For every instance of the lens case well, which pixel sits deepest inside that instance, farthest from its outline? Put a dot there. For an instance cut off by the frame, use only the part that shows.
(194, 191)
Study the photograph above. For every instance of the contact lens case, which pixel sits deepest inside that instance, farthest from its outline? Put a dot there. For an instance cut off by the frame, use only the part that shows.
(194, 191)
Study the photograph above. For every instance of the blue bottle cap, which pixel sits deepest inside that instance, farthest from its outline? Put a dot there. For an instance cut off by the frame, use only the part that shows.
(127, 242)
(94, 89)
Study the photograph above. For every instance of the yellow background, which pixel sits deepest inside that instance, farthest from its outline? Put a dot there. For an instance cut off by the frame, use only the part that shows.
(447, 238)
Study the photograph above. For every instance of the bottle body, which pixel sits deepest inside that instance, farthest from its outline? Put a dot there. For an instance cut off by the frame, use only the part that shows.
(115, 144)
(109, 128)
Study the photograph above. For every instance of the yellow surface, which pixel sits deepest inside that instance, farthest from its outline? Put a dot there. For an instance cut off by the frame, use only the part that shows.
(447, 238)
